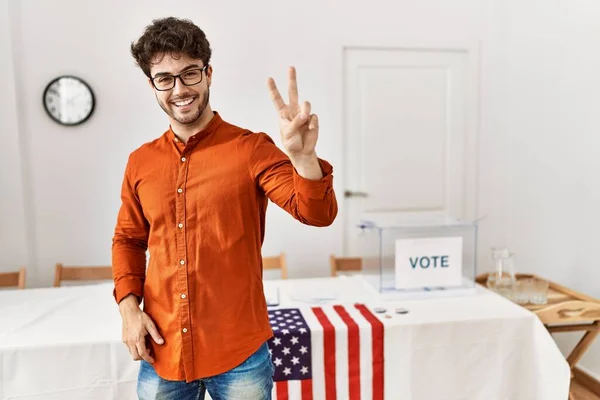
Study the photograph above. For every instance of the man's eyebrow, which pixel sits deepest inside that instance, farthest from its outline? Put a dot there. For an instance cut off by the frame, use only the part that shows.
(192, 66)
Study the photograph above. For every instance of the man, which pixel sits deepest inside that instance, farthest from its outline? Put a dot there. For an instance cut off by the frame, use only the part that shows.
(196, 199)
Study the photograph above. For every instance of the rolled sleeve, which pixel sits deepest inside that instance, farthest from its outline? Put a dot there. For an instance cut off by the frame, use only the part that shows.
(311, 202)
(315, 189)
(126, 286)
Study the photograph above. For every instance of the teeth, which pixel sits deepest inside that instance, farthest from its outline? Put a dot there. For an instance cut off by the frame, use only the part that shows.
(184, 103)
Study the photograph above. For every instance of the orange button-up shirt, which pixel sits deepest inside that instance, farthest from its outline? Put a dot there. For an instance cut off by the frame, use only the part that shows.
(200, 210)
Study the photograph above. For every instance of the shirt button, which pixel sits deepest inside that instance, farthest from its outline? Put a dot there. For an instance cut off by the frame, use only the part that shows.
(184, 330)
(182, 159)
(183, 296)
(180, 225)
(180, 190)
(182, 262)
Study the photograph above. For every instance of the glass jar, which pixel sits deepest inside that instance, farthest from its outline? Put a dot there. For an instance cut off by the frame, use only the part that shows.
(502, 280)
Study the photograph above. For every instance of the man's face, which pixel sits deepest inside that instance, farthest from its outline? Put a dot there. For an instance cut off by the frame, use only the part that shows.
(183, 103)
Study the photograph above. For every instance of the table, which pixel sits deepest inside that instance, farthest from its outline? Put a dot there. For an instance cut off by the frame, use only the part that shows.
(65, 343)
(566, 311)
(62, 344)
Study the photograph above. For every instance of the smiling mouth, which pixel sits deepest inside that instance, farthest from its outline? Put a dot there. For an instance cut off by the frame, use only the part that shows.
(183, 103)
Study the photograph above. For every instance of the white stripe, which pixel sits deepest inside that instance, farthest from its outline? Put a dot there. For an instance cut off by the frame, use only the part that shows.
(366, 353)
(341, 352)
(317, 353)
(274, 391)
(294, 390)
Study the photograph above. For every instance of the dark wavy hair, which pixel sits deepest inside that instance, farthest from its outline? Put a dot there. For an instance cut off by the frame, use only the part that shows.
(172, 36)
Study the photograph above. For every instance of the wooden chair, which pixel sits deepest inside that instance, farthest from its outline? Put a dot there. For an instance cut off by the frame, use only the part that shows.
(13, 279)
(276, 262)
(63, 273)
(353, 264)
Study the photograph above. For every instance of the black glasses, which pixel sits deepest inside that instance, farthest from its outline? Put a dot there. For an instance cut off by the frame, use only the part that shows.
(188, 78)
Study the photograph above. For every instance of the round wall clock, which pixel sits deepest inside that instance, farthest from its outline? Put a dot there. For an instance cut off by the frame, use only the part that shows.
(69, 100)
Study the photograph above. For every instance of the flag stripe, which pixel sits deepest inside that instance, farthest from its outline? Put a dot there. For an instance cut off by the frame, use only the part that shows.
(317, 354)
(282, 390)
(377, 330)
(294, 389)
(353, 353)
(341, 352)
(366, 366)
(307, 389)
(329, 353)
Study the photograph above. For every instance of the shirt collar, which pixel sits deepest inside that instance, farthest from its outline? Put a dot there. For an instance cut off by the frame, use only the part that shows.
(209, 129)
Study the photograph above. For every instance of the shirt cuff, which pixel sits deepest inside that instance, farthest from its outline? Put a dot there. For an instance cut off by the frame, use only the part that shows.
(126, 286)
(318, 189)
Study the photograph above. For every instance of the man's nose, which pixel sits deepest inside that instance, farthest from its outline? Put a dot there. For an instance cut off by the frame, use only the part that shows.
(179, 86)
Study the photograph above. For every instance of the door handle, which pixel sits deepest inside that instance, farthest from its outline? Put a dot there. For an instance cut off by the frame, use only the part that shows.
(349, 193)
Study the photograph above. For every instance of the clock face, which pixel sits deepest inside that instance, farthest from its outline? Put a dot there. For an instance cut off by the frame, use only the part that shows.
(68, 100)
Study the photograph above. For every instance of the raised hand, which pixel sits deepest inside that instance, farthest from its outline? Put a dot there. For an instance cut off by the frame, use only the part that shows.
(299, 128)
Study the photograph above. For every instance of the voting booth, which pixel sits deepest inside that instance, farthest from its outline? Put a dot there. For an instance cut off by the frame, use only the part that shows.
(421, 257)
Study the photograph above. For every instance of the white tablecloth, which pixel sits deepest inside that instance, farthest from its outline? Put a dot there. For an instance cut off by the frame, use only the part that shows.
(65, 343)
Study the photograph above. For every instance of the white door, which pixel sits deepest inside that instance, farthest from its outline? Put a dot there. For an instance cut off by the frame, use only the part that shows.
(410, 130)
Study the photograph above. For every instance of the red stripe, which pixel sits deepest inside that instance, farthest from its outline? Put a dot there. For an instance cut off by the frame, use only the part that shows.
(353, 353)
(377, 332)
(307, 389)
(282, 390)
(328, 353)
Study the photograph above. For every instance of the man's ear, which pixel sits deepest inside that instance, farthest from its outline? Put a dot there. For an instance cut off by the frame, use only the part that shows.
(150, 83)
(209, 72)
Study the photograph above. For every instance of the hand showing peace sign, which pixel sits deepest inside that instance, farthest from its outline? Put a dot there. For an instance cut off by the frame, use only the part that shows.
(299, 128)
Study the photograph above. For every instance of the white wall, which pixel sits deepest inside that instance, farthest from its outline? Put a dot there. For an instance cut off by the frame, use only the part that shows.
(552, 158)
(76, 172)
(539, 89)
(13, 246)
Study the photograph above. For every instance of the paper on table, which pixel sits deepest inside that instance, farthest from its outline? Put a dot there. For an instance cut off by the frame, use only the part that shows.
(271, 295)
(314, 295)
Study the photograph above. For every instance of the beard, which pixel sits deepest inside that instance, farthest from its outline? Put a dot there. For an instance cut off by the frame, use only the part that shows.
(190, 117)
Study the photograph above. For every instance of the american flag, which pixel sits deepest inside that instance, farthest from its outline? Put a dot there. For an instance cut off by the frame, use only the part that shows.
(326, 353)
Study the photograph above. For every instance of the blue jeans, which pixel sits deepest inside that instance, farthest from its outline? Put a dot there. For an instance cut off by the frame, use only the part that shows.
(251, 380)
